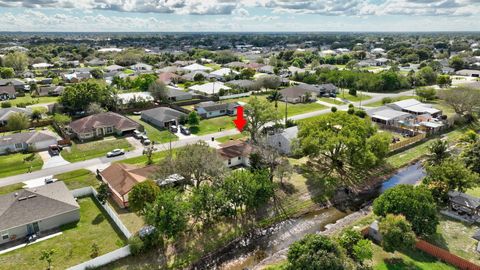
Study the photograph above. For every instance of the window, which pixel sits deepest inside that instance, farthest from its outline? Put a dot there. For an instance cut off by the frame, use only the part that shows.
(222, 111)
(109, 129)
(279, 144)
(239, 158)
(229, 162)
(5, 236)
(18, 145)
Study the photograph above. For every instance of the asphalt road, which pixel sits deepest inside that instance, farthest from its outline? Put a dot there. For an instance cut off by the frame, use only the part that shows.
(104, 161)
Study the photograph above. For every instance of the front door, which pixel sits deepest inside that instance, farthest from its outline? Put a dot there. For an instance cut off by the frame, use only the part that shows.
(33, 228)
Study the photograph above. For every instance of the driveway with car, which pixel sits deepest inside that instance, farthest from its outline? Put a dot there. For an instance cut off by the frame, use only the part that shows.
(52, 161)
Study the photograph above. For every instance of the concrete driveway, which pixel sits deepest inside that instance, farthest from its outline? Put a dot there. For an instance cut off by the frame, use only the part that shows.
(52, 161)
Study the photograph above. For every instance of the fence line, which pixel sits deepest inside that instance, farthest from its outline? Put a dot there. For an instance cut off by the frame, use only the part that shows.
(104, 259)
(445, 256)
(247, 94)
(87, 191)
(111, 256)
(407, 142)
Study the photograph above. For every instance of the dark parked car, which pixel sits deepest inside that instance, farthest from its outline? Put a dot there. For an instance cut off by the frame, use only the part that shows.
(184, 130)
(54, 150)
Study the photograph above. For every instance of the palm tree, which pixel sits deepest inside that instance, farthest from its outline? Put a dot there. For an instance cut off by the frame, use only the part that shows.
(275, 96)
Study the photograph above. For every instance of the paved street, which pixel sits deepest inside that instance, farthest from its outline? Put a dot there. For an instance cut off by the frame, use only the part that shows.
(103, 161)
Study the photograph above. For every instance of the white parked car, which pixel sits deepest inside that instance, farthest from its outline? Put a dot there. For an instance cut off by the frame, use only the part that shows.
(116, 152)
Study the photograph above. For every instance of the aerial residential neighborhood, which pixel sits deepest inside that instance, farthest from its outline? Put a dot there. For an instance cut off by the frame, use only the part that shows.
(276, 135)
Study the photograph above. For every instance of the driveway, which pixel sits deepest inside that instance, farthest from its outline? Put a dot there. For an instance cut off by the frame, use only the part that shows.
(52, 161)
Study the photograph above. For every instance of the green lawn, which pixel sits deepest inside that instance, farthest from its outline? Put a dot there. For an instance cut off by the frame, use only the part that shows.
(19, 163)
(356, 98)
(35, 100)
(293, 109)
(213, 66)
(78, 179)
(380, 103)
(153, 133)
(89, 150)
(142, 160)
(213, 125)
(11, 188)
(331, 101)
(73, 246)
(414, 260)
(233, 137)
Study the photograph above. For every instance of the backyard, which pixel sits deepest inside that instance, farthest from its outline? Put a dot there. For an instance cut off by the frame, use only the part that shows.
(19, 163)
(32, 100)
(395, 99)
(73, 246)
(89, 150)
(213, 125)
(154, 134)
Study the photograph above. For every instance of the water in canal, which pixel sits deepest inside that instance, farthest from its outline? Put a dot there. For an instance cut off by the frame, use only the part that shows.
(249, 252)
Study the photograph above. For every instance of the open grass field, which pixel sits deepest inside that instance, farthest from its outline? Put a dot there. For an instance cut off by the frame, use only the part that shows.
(73, 246)
(34, 100)
(89, 150)
(356, 98)
(155, 134)
(19, 163)
(142, 160)
(213, 125)
(331, 101)
(234, 137)
(78, 179)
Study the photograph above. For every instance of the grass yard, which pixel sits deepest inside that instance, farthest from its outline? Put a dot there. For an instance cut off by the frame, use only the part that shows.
(33, 100)
(132, 221)
(11, 188)
(142, 160)
(78, 179)
(73, 246)
(233, 137)
(380, 103)
(153, 133)
(19, 163)
(456, 237)
(89, 150)
(213, 125)
(213, 66)
(414, 260)
(356, 98)
(331, 101)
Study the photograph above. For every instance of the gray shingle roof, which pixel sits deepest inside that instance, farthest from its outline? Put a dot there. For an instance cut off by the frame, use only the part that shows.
(30, 205)
(6, 112)
(163, 114)
(25, 137)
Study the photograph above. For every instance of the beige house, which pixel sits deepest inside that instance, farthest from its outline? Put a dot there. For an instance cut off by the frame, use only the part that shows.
(36, 210)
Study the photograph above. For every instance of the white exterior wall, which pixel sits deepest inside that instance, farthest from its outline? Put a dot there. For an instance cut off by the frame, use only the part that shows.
(39, 146)
(237, 161)
(279, 142)
(44, 225)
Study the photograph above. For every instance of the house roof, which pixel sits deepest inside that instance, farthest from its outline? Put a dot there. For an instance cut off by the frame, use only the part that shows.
(191, 76)
(242, 83)
(294, 92)
(33, 204)
(209, 88)
(25, 137)
(122, 177)
(114, 68)
(88, 123)
(8, 89)
(290, 133)
(163, 114)
(223, 72)
(173, 92)
(464, 199)
(236, 64)
(407, 103)
(6, 112)
(421, 108)
(167, 77)
(388, 114)
(234, 149)
(212, 106)
(197, 67)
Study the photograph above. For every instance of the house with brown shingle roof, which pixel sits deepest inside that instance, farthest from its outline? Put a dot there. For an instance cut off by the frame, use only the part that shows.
(36, 210)
(102, 124)
(235, 153)
(121, 178)
(7, 92)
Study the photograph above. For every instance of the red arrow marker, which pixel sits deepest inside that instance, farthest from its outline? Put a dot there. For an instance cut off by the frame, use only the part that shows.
(240, 122)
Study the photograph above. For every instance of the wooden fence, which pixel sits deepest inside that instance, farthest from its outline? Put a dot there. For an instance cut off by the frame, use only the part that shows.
(407, 142)
(445, 256)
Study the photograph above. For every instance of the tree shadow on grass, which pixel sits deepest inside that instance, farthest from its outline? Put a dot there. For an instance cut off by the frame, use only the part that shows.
(98, 219)
(400, 264)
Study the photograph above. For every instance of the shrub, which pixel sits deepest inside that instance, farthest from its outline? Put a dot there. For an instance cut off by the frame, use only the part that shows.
(136, 245)
(6, 104)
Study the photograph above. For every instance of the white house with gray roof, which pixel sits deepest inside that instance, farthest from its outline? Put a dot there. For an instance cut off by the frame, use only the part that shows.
(5, 113)
(162, 117)
(282, 141)
(31, 141)
(36, 210)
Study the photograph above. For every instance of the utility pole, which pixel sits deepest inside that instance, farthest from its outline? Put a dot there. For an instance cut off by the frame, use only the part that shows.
(286, 112)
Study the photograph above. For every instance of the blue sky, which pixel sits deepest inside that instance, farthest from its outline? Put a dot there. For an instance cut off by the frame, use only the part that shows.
(246, 16)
